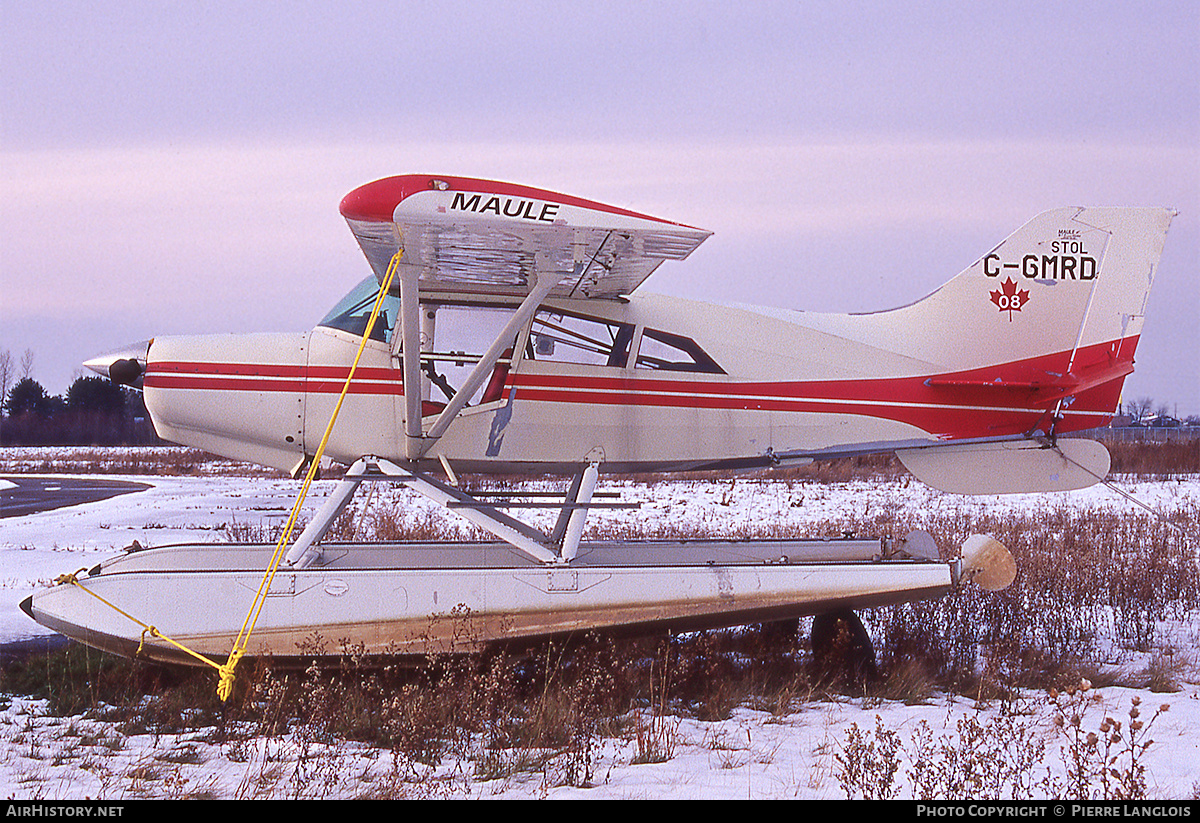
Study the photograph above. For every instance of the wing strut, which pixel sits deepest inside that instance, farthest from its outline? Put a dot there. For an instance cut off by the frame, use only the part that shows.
(416, 443)
(410, 336)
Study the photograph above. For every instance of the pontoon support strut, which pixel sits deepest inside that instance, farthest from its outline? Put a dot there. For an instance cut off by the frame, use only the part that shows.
(304, 552)
(566, 535)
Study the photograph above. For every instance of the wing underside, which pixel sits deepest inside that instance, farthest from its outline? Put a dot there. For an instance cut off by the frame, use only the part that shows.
(482, 237)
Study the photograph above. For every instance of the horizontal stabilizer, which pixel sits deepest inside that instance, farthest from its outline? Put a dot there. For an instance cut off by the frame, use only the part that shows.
(1008, 467)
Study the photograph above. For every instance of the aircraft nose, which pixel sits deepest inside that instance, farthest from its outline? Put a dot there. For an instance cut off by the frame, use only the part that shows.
(124, 366)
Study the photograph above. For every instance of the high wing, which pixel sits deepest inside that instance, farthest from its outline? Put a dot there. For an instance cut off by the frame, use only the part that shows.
(482, 237)
(463, 236)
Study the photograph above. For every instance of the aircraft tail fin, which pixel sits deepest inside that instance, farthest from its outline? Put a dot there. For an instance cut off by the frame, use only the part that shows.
(1081, 274)
(1052, 315)
(1039, 336)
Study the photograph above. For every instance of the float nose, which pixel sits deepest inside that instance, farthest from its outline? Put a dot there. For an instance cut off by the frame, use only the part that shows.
(124, 366)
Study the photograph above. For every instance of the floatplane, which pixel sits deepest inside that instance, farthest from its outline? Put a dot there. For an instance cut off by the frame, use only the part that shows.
(503, 331)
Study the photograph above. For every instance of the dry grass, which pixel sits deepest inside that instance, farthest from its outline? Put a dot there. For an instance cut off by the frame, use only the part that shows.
(170, 461)
(1003, 757)
(1156, 461)
(1092, 587)
(1140, 460)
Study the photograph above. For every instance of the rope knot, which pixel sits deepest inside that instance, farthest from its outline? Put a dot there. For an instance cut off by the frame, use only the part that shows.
(71, 578)
(225, 685)
(148, 630)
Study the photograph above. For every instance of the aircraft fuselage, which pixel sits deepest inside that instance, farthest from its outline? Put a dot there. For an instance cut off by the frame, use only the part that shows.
(675, 384)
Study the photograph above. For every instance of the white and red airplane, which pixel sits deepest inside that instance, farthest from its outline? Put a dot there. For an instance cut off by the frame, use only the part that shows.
(515, 316)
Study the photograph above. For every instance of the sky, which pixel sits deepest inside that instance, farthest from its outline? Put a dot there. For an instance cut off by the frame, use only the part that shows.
(171, 168)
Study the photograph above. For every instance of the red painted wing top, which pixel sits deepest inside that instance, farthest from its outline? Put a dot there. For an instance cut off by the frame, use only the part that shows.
(486, 237)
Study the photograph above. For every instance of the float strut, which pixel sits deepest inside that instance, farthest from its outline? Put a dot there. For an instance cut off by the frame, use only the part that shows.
(574, 530)
(304, 552)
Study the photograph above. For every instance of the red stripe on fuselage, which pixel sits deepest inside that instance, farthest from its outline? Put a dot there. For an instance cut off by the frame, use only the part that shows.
(271, 377)
(1009, 398)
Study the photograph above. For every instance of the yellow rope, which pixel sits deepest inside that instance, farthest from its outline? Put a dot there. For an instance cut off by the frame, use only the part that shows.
(226, 671)
(225, 685)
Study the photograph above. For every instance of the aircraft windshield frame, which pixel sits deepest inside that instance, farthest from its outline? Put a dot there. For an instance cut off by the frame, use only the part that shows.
(352, 311)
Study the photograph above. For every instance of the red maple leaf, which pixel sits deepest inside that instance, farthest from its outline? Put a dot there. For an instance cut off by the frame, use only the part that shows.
(1009, 298)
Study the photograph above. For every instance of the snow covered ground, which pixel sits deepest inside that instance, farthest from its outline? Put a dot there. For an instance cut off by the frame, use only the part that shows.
(753, 754)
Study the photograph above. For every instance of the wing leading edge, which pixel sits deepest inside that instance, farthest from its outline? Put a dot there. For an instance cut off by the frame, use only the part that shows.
(482, 237)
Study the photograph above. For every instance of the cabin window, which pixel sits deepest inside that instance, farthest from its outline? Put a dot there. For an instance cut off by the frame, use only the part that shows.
(453, 340)
(556, 337)
(352, 312)
(663, 351)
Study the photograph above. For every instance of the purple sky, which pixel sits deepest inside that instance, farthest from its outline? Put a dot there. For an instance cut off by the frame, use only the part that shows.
(176, 167)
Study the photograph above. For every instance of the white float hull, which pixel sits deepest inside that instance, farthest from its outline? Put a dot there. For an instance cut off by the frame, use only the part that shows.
(421, 598)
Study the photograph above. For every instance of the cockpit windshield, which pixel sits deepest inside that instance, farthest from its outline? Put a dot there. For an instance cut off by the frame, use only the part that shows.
(352, 312)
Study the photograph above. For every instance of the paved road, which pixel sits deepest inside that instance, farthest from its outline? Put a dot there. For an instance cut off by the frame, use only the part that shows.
(38, 494)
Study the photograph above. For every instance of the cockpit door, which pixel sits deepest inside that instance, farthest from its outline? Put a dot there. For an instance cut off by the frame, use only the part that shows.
(454, 340)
